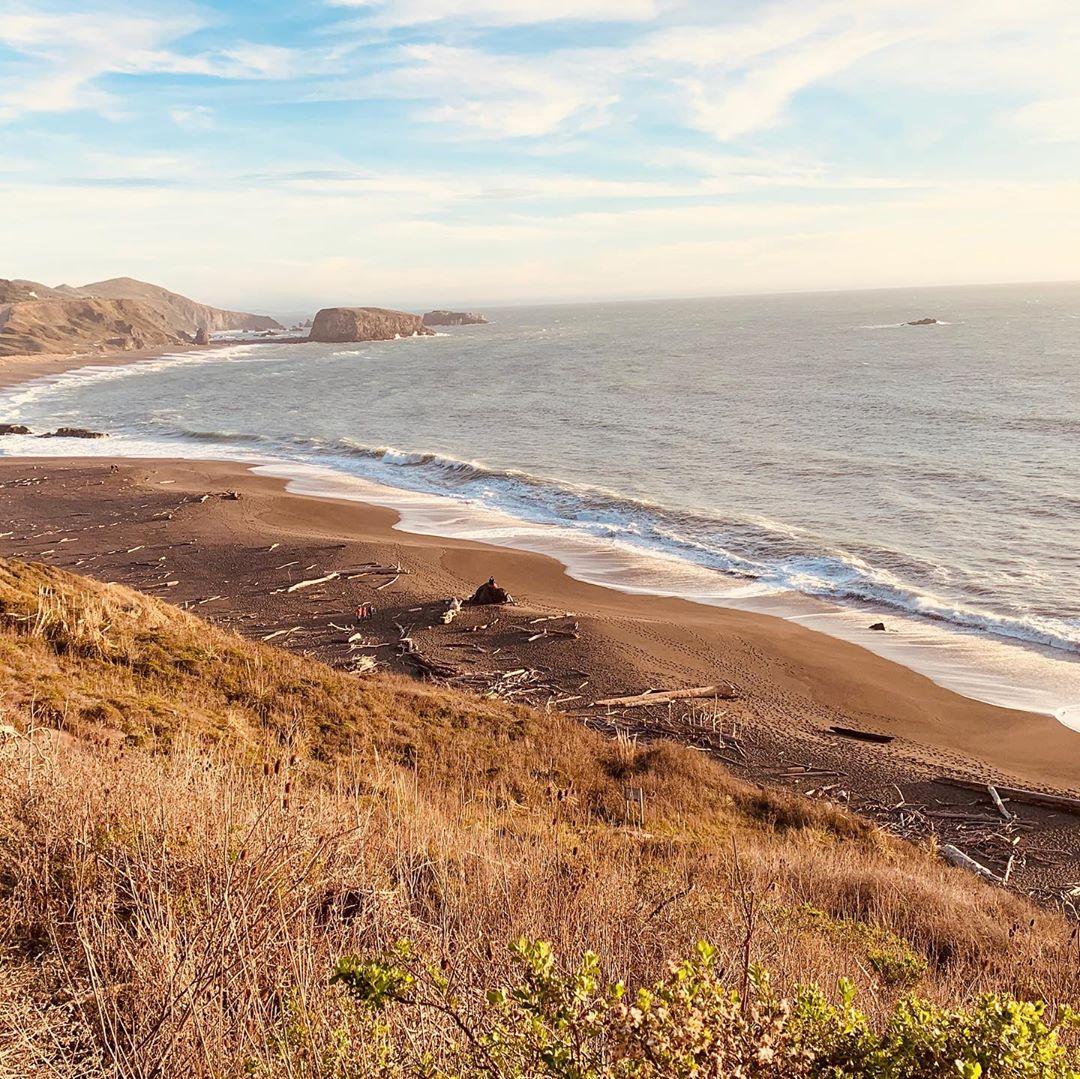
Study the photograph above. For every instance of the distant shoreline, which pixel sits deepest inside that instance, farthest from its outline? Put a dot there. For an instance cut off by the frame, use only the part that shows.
(15, 370)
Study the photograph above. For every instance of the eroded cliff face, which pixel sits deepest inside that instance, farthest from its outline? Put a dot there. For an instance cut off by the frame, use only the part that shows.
(70, 325)
(107, 316)
(337, 324)
(179, 311)
(454, 318)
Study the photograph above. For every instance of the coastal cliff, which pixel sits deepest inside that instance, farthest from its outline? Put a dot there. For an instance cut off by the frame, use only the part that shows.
(70, 325)
(178, 310)
(120, 314)
(337, 324)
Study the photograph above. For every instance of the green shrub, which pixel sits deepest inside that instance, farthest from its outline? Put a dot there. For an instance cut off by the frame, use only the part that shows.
(571, 1025)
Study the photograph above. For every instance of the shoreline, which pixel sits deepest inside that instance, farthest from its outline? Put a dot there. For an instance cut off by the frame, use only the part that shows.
(165, 528)
(993, 669)
(821, 659)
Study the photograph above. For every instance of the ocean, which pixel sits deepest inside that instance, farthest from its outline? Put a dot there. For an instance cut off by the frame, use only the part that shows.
(810, 456)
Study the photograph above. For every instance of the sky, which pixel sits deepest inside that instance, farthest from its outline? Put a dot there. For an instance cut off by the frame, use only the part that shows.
(289, 155)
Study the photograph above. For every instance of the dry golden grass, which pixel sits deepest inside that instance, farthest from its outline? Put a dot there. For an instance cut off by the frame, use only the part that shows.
(202, 825)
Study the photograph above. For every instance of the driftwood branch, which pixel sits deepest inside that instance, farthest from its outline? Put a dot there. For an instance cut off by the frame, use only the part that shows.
(314, 580)
(664, 696)
(1061, 802)
(955, 856)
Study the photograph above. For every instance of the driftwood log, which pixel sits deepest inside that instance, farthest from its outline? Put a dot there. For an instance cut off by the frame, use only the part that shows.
(314, 581)
(862, 736)
(665, 696)
(1061, 802)
(955, 856)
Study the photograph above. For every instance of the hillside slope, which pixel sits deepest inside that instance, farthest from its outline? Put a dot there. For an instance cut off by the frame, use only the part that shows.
(115, 315)
(178, 310)
(69, 325)
(195, 828)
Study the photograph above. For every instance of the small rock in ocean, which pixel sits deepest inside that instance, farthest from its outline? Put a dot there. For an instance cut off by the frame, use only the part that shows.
(13, 429)
(73, 432)
(923, 322)
(879, 627)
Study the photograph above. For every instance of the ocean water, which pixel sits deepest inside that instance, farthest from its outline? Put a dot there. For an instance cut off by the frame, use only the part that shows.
(806, 455)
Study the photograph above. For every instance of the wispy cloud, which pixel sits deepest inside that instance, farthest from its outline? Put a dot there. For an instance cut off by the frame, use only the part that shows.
(493, 96)
(398, 13)
(63, 58)
(193, 117)
(1054, 120)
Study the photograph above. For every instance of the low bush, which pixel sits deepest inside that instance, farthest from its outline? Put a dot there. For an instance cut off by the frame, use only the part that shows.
(573, 1025)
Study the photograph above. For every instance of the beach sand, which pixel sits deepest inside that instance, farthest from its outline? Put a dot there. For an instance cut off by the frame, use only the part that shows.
(15, 370)
(147, 524)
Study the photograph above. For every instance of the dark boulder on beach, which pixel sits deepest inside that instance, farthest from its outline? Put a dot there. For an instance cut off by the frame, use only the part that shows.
(878, 627)
(341, 324)
(922, 322)
(73, 432)
(13, 429)
(202, 336)
(454, 318)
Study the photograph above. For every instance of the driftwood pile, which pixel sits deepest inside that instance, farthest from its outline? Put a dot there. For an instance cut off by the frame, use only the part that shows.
(690, 716)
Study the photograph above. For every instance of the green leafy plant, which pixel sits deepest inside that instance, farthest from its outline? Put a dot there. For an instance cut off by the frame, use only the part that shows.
(571, 1024)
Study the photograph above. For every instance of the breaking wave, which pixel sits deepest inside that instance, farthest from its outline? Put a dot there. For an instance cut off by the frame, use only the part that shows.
(775, 556)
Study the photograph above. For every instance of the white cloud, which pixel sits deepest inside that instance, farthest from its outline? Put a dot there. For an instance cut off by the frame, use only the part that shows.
(1054, 120)
(63, 55)
(398, 13)
(193, 117)
(756, 99)
(496, 96)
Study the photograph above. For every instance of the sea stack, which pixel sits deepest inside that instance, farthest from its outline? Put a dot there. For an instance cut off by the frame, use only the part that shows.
(454, 318)
(338, 324)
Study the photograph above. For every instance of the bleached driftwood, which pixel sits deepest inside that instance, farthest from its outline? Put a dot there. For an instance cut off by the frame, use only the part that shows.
(664, 696)
(998, 803)
(955, 856)
(314, 580)
(1062, 802)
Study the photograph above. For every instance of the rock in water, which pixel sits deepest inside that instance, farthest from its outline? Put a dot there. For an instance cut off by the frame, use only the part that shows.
(13, 429)
(337, 324)
(454, 318)
(73, 432)
(202, 336)
(923, 322)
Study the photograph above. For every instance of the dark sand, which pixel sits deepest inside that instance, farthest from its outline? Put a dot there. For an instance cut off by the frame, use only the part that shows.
(146, 524)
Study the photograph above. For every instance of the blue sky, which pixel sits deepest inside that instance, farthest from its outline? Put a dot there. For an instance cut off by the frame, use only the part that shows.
(413, 152)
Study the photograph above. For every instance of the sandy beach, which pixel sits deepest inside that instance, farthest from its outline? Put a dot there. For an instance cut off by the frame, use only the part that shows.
(232, 546)
(15, 370)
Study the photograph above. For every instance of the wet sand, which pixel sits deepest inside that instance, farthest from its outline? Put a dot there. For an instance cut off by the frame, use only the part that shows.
(148, 524)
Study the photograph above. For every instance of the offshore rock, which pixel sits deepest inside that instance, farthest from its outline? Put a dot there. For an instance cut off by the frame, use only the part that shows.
(339, 324)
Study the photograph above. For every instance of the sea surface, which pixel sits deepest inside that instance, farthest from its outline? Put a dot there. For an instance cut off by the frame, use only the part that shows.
(807, 455)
